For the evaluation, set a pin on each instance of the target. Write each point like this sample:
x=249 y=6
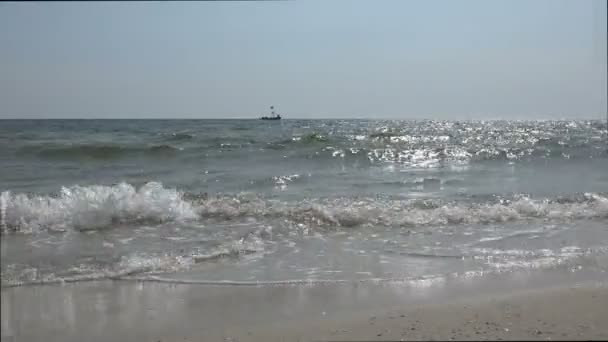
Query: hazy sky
x=366 y=59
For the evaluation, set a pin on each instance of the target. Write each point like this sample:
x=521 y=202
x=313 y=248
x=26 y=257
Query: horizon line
x=321 y=118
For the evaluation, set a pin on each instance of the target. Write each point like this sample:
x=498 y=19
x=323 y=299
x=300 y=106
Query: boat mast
x=272 y=111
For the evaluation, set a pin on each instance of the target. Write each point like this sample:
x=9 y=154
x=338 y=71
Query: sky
x=401 y=59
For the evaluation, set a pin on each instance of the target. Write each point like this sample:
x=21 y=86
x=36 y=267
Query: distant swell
x=426 y=144
x=300 y=141
x=92 y=151
x=179 y=137
x=96 y=207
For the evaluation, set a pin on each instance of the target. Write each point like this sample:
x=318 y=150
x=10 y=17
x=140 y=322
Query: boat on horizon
x=273 y=115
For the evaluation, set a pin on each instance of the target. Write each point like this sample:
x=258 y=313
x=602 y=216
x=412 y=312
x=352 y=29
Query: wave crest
x=96 y=207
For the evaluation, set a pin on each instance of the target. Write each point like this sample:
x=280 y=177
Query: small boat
x=272 y=116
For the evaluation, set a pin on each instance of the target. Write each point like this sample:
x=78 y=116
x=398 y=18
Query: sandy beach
x=555 y=314
x=538 y=306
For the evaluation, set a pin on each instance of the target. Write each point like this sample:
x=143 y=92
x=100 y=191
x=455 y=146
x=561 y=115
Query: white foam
x=348 y=213
x=147 y=264
x=94 y=207
x=4 y=200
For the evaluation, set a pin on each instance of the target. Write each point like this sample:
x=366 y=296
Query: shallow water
x=246 y=201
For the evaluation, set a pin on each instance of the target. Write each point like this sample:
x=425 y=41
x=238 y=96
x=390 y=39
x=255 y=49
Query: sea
x=252 y=202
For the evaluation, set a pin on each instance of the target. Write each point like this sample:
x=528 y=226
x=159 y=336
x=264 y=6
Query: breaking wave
x=94 y=207
x=100 y=206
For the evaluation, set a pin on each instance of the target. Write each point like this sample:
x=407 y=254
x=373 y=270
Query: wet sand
x=555 y=314
x=548 y=306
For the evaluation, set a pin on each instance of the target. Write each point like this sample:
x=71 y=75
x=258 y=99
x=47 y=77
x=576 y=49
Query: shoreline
x=538 y=305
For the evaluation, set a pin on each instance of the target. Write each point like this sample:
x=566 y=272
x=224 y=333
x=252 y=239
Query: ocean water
x=299 y=201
